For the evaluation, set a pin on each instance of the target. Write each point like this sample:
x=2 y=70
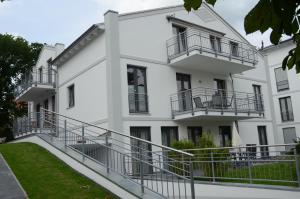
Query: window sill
x=68 y=108
x=141 y=113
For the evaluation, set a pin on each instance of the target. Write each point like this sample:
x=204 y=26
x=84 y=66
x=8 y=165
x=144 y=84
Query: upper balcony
x=37 y=83
x=210 y=52
x=207 y=103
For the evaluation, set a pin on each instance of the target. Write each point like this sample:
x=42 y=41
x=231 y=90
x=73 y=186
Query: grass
x=264 y=174
x=42 y=175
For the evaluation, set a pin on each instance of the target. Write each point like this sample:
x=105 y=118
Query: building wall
x=274 y=57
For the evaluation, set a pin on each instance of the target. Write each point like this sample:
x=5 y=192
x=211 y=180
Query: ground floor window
x=225 y=136
x=141 y=150
x=263 y=140
x=289 y=136
x=169 y=135
x=194 y=133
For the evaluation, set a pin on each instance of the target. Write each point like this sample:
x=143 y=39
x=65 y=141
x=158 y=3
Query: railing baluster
x=297 y=166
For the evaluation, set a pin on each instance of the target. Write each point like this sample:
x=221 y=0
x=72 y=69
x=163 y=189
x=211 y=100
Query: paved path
x=10 y=188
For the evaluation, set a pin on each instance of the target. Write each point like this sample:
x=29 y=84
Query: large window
x=71 y=96
x=234 y=49
x=263 y=140
x=289 y=136
x=258 y=103
x=194 y=133
x=141 y=150
x=282 y=82
x=215 y=43
x=180 y=38
x=225 y=136
x=137 y=89
x=169 y=135
x=286 y=109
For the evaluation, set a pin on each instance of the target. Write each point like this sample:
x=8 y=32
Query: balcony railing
x=35 y=77
x=201 y=41
x=207 y=99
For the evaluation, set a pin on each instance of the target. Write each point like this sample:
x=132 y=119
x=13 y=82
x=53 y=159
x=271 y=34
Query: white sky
x=51 y=21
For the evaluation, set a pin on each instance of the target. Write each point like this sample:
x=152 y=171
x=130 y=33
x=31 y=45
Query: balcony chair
x=198 y=103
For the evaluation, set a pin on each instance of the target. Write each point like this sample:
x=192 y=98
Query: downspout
x=235 y=121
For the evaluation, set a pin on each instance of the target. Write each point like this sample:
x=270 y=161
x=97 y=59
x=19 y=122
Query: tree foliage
x=281 y=16
x=16 y=57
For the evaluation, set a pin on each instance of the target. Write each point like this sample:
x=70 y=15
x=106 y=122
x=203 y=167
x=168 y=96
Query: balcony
x=37 y=83
x=195 y=49
x=217 y=104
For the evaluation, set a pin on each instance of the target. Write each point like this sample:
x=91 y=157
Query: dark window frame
x=191 y=134
x=289 y=113
x=169 y=141
x=136 y=94
x=71 y=103
x=258 y=102
x=234 y=49
x=285 y=81
x=216 y=43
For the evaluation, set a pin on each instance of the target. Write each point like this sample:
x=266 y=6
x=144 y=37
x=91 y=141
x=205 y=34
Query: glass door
x=184 y=91
x=194 y=133
x=141 y=150
x=180 y=39
x=257 y=98
x=263 y=140
x=225 y=136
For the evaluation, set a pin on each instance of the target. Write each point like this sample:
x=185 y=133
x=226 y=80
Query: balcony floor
x=33 y=93
x=216 y=115
x=208 y=62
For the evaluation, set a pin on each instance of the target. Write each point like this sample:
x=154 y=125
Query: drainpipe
x=236 y=121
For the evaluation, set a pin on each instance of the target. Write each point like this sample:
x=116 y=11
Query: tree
x=281 y=16
x=16 y=57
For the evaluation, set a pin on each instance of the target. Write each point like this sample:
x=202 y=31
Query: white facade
x=97 y=64
x=284 y=85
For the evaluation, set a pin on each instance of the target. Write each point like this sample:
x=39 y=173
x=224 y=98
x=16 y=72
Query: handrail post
x=65 y=131
x=212 y=166
x=248 y=104
x=192 y=178
x=191 y=98
x=222 y=102
x=107 y=154
x=297 y=166
x=82 y=144
x=249 y=167
x=141 y=166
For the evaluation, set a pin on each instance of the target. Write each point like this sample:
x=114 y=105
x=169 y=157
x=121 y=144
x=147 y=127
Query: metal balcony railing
x=201 y=41
x=35 y=77
x=207 y=99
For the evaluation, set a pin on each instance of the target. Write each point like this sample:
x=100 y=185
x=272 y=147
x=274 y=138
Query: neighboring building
x=285 y=92
x=38 y=86
x=166 y=74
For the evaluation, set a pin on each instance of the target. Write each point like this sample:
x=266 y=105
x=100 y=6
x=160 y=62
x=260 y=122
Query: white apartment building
x=38 y=85
x=285 y=93
x=165 y=74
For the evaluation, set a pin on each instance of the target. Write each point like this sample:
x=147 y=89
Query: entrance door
x=141 y=150
x=263 y=140
x=38 y=115
x=194 y=133
x=225 y=136
x=184 y=92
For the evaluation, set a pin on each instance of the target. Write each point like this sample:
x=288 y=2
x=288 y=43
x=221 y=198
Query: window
x=137 y=89
x=71 y=96
x=258 y=103
x=289 y=136
x=215 y=43
x=141 y=150
x=282 y=82
x=286 y=109
x=263 y=140
x=225 y=136
x=184 y=93
x=180 y=39
x=194 y=133
x=234 y=49
x=40 y=80
x=53 y=103
x=169 y=135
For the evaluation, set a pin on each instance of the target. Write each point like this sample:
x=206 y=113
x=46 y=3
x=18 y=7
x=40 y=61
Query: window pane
x=281 y=79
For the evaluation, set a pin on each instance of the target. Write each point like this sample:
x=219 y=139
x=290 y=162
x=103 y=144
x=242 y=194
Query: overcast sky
x=52 y=21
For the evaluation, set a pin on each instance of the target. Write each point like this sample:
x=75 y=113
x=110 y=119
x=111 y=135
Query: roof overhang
x=89 y=35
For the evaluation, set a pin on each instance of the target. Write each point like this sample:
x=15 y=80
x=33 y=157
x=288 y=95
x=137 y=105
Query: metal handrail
x=121 y=134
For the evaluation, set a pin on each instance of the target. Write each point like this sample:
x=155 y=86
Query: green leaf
x=275 y=36
x=211 y=2
x=284 y=62
x=192 y=4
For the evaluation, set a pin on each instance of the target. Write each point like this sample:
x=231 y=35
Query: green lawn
x=42 y=175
